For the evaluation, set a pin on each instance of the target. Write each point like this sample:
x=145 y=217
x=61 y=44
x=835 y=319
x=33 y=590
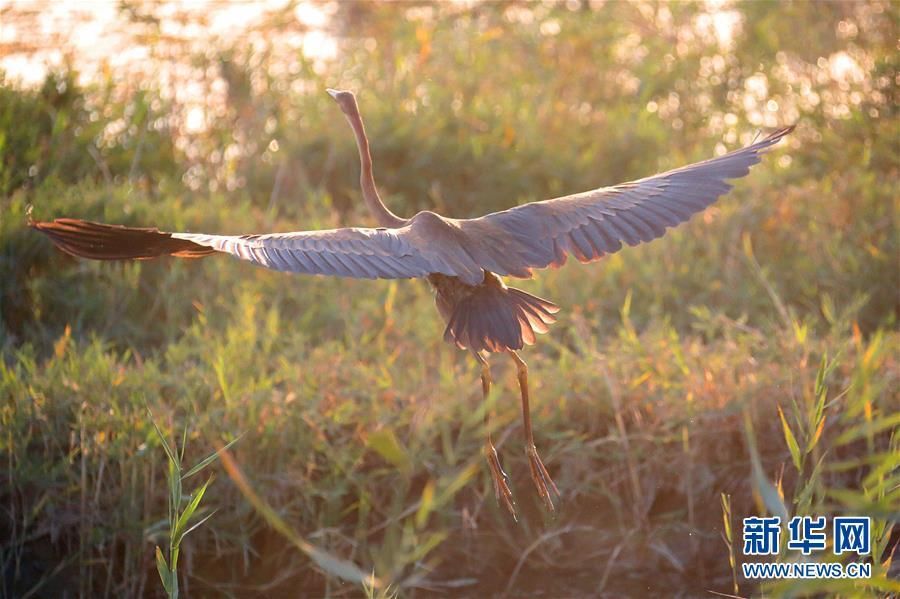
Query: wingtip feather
x=99 y=241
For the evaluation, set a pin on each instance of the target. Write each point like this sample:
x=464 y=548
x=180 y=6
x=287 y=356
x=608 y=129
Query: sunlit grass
x=363 y=430
x=745 y=363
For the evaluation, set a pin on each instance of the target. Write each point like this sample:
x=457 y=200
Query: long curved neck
x=382 y=214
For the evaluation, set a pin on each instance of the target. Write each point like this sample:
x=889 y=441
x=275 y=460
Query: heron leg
x=499 y=477
x=539 y=474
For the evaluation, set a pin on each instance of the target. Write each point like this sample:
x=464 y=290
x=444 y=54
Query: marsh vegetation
x=749 y=360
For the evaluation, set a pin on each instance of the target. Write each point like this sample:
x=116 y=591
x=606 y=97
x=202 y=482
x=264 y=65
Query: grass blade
x=162 y=438
x=165 y=575
x=189 y=511
x=791 y=441
x=770 y=496
x=328 y=563
x=209 y=459
x=386 y=444
x=199 y=523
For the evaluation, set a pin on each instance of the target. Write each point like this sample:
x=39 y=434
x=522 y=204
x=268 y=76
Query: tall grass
x=363 y=433
x=181 y=508
x=746 y=363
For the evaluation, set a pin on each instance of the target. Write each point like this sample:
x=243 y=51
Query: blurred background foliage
x=359 y=423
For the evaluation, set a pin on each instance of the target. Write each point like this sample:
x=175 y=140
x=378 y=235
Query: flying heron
x=462 y=259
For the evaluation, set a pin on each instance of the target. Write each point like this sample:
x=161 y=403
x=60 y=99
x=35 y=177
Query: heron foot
x=541 y=477
x=501 y=480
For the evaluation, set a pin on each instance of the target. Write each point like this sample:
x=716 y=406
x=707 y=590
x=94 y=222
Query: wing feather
x=350 y=252
x=512 y=242
x=591 y=224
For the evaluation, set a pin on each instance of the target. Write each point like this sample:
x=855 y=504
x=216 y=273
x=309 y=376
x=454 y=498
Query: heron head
x=346 y=100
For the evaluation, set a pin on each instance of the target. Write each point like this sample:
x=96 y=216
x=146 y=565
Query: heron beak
x=333 y=92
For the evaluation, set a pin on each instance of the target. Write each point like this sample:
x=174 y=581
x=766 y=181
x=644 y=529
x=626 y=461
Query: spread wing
x=356 y=252
x=350 y=252
x=512 y=242
x=594 y=223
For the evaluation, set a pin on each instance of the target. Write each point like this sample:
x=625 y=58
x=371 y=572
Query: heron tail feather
x=498 y=319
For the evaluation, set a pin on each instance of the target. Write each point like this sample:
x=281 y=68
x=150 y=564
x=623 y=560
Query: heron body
x=462 y=259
